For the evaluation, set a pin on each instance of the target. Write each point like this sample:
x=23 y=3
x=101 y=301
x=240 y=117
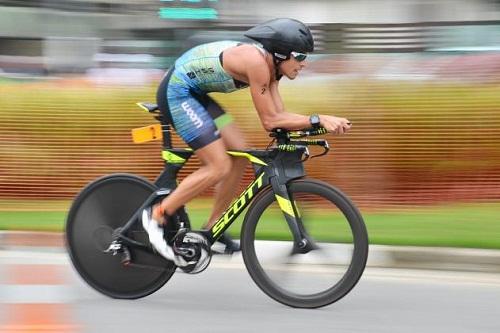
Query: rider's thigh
x=233 y=137
x=230 y=133
x=214 y=157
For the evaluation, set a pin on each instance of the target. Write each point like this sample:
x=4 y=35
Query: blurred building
x=51 y=36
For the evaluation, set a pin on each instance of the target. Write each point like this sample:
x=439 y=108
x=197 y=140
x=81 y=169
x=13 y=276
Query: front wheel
x=321 y=276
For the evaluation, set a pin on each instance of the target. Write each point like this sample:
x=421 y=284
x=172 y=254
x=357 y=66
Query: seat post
x=167 y=138
x=165 y=130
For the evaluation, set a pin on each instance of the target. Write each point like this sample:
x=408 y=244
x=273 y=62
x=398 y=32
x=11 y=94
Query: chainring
x=193 y=247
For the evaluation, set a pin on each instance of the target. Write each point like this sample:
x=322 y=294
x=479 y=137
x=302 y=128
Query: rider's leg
x=216 y=165
x=193 y=117
x=227 y=188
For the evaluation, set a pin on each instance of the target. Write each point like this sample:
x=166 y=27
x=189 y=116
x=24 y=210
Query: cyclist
x=227 y=66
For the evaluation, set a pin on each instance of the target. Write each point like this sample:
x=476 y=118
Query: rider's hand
x=335 y=125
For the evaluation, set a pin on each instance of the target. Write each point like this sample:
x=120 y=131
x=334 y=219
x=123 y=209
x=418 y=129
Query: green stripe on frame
x=252 y=158
x=285 y=205
x=188 y=13
x=172 y=158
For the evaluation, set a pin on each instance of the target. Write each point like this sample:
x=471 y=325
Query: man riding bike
x=227 y=66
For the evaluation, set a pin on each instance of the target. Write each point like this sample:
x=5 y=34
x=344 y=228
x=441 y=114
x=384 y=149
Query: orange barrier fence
x=416 y=139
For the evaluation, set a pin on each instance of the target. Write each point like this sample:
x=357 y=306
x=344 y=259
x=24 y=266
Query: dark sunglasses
x=299 y=56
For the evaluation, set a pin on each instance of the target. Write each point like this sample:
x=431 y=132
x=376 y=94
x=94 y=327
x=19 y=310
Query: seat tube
x=174 y=162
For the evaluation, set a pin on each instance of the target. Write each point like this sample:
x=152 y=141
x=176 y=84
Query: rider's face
x=291 y=67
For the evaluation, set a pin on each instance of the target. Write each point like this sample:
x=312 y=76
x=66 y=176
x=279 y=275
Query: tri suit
x=182 y=95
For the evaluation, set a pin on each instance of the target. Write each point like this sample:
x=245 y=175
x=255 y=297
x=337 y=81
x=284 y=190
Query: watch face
x=314 y=119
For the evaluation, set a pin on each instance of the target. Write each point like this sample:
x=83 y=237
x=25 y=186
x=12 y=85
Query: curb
x=434 y=258
x=380 y=256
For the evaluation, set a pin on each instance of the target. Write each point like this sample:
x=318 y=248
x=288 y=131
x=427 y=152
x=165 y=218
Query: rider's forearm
x=271 y=113
x=286 y=120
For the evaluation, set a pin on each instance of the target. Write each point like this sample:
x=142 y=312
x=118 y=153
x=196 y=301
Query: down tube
x=238 y=205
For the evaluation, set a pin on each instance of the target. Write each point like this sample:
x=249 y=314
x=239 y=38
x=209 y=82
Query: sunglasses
x=299 y=56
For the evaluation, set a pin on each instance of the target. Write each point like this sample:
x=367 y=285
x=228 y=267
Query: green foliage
x=409 y=140
x=467 y=225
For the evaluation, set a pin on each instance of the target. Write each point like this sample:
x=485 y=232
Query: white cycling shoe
x=155 y=233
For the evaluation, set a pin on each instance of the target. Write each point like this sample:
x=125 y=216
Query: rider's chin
x=292 y=75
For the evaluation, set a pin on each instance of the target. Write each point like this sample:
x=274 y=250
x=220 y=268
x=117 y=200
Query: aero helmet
x=282 y=36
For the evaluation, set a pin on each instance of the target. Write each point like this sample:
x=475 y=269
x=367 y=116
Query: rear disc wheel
x=101 y=207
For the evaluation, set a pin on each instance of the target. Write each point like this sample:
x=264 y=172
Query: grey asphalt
x=225 y=299
x=407 y=257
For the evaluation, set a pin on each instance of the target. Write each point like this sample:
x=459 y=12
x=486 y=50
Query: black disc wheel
x=335 y=231
x=101 y=207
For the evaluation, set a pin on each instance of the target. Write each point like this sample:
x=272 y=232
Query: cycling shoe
x=231 y=246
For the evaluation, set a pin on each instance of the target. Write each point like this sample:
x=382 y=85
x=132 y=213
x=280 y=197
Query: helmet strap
x=276 y=69
x=277 y=59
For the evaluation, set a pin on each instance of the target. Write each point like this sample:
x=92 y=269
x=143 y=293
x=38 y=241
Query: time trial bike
x=303 y=241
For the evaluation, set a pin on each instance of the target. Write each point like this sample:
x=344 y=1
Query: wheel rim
x=319 y=277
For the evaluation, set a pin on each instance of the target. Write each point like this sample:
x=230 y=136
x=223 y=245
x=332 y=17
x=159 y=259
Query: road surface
x=40 y=291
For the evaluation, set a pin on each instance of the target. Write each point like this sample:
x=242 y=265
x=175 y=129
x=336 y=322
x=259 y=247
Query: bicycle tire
x=102 y=206
x=359 y=254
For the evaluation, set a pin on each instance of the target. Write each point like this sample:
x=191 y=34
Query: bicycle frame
x=275 y=168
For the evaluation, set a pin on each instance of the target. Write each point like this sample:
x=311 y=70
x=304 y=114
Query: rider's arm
x=271 y=111
x=260 y=88
x=278 y=102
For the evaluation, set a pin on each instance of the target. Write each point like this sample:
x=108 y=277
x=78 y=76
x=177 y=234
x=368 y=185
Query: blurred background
x=419 y=79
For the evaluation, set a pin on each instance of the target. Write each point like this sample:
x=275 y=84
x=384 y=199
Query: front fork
x=303 y=243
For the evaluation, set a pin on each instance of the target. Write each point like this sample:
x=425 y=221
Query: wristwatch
x=314 y=120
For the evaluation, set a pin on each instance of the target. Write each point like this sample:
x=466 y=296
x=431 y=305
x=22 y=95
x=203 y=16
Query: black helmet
x=282 y=36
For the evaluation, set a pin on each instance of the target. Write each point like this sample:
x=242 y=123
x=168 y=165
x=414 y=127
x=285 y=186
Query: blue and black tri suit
x=182 y=95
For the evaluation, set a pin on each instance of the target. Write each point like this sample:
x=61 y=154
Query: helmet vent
x=303 y=32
